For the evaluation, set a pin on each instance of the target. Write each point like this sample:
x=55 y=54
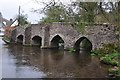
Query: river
x=32 y=62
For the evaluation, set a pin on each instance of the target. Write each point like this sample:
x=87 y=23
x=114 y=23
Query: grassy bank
x=6 y=40
x=110 y=55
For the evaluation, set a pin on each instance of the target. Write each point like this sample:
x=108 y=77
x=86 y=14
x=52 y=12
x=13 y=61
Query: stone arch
x=57 y=42
x=36 y=40
x=83 y=43
x=20 y=39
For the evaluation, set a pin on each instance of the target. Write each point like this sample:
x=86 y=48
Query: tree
x=111 y=11
x=54 y=12
x=86 y=12
x=80 y=14
x=22 y=19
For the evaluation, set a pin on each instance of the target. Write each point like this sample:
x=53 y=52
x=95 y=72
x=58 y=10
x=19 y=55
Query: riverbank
x=110 y=55
x=6 y=40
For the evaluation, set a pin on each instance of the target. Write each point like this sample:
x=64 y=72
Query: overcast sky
x=9 y=8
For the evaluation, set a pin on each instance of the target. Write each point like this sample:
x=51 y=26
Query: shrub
x=111 y=59
x=71 y=50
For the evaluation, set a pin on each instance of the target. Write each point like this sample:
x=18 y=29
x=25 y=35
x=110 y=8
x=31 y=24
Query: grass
x=111 y=59
x=6 y=39
x=109 y=55
x=71 y=50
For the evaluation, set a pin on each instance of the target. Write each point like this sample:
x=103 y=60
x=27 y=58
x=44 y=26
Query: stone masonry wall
x=102 y=34
x=17 y=32
x=27 y=33
x=98 y=34
x=66 y=32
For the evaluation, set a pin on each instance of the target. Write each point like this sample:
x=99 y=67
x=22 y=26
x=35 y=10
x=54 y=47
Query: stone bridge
x=57 y=34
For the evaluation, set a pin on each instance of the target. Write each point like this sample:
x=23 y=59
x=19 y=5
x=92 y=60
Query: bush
x=98 y=52
x=111 y=48
x=115 y=70
x=71 y=50
x=111 y=59
x=110 y=54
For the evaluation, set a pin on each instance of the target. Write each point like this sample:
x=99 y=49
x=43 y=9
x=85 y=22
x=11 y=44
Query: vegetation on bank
x=110 y=55
x=6 y=39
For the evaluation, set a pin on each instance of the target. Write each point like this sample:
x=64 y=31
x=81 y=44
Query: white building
x=3 y=22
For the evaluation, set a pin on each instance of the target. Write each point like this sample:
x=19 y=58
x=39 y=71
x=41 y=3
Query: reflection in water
x=0 y=60
x=19 y=61
x=16 y=65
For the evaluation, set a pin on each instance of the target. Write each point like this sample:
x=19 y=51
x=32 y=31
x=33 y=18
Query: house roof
x=4 y=21
x=14 y=23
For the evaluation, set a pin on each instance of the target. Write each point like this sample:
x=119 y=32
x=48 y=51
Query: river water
x=32 y=62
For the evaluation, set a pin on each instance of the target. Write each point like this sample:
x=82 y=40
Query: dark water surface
x=28 y=62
